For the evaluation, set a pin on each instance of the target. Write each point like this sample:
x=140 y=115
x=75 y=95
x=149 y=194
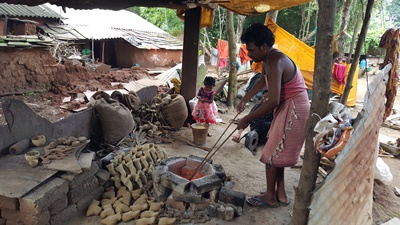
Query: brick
x=175 y=182
x=102 y=176
x=81 y=191
x=62 y=217
x=8 y=203
x=15 y=216
x=233 y=197
x=199 y=159
x=187 y=172
x=58 y=205
x=84 y=203
x=158 y=172
x=200 y=206
x=85 y=160
x=176 y=204
x=161 y=193
x=212 y=211
x=43 y=196
x=174 y=164
x=190 y=197
x=206 y=184
x=76 y=180
x=194 y=162
x=219 y=171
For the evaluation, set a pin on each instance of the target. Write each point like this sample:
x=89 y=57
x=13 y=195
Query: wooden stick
x=188 y=142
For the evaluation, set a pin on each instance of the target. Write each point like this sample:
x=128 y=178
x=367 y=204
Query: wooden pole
x=357 y=53
x=190 y=56
x=232 y=85
x=103 y=44
x=320 y=100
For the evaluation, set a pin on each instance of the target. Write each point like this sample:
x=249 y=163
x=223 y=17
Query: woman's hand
x=241 y=106
x=242 y=124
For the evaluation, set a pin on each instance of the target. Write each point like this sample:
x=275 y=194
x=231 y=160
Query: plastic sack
x=382 y=171
x=192 y=103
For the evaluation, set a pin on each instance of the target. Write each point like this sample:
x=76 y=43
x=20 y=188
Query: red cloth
x=288 y=132
x=339 y=71
x=244 y=58
x=223 y=48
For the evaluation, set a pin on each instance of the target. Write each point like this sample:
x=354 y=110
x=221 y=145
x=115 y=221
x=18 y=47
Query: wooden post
x=190 y=52
x=5 y=30
x=319 y=106
x=232 y=85
x=102 y=51
x=357 y=53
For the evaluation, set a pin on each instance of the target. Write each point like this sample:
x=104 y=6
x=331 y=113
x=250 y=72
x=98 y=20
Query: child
x=205 y=111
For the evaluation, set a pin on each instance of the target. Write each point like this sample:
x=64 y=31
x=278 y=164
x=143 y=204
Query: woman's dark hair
x=209 y=81
x=258 y=34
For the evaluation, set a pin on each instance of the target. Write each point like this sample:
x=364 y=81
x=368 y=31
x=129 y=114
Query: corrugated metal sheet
x=148 y=40
x=62 y=32
x=27 y=11
x=97 y=32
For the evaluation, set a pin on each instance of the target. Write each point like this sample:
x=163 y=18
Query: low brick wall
x=55 y=201
x=25 y=70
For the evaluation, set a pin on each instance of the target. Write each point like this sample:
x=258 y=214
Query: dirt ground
x=246 y=172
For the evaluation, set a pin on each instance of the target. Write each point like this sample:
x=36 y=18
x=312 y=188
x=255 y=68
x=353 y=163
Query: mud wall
x=128 y=55
x=28 y=70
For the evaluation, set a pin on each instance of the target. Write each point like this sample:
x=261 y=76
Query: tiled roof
x=12 y=10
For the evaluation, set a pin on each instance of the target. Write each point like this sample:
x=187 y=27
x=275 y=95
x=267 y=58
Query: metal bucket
x=200 y=132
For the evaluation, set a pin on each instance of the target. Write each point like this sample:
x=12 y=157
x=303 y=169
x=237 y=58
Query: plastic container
x=363 y=64
x=200 y=132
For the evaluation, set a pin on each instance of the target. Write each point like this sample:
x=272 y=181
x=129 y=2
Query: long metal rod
x=207 y=157
x=220 y=137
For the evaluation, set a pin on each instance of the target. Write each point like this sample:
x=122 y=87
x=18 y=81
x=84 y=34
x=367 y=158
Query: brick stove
x=198 y=199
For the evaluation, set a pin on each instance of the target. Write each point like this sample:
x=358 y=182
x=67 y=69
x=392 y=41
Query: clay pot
x=32 y=155
x=39 y=140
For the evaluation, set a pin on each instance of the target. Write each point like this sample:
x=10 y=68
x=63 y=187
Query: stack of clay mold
x=130 y=172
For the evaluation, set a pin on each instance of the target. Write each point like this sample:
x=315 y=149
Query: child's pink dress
x=205 y=112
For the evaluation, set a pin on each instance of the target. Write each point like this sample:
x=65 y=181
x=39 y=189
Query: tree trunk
x=239 y=27
x=353 y=39
x=344 y=22
x=319 y=106
x=220 y=22
x=273 y=15
x=232 y=86
x=357 y=53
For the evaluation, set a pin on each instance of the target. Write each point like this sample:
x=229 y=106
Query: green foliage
x=394 y=12
x=164 y=18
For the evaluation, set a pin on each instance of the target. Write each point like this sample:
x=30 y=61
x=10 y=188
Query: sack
x=132 y=101
x=176 y=112
x=116 y=119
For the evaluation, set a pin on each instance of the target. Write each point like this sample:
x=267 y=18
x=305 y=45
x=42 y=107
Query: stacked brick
x=28 y=70
x=196 y=200
x=55 y=201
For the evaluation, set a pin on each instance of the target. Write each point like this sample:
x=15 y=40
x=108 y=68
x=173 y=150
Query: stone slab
x=81 y=191
x=19 y=117
x=6 y=139
x=20 y=177
x=228 y=195
x=9 y=203
x=68 y=126
x=85 y=160
x=76 y=180
x=43 y=196
x=62 y=217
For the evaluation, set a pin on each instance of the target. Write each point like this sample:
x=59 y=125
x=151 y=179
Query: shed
x=119 y=42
